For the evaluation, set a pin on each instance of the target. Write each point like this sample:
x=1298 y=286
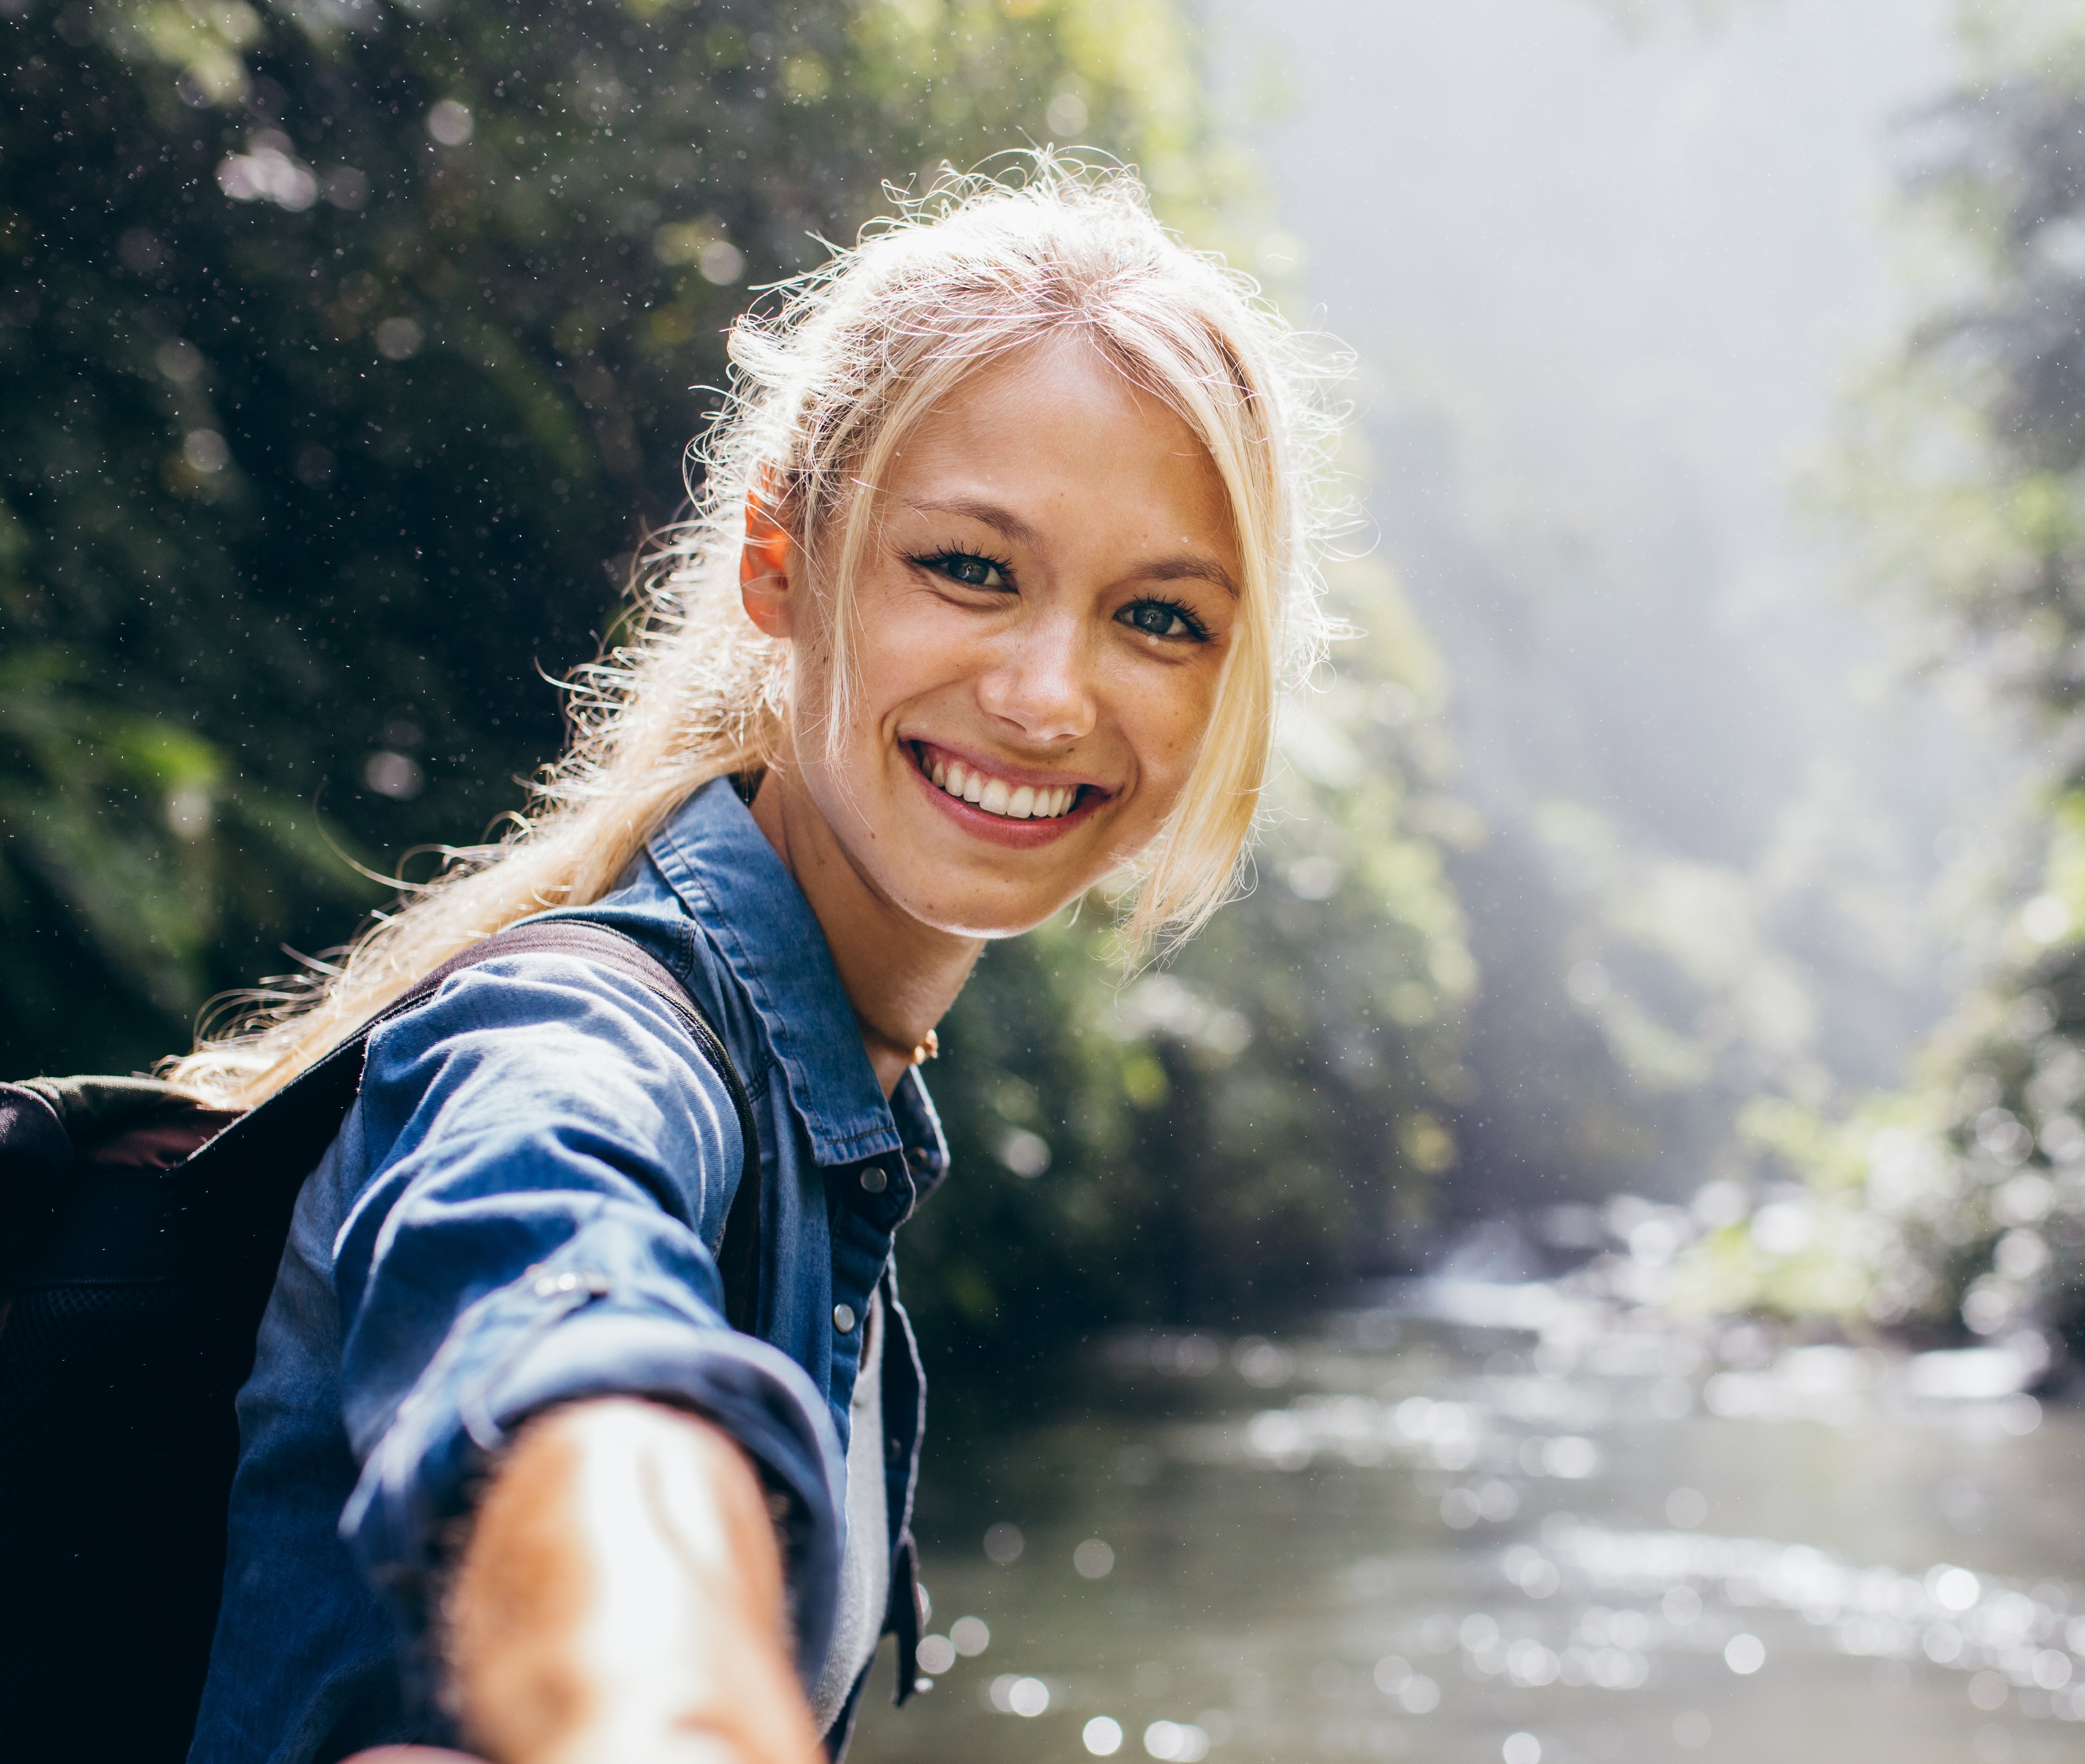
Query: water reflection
x=1411 y=1535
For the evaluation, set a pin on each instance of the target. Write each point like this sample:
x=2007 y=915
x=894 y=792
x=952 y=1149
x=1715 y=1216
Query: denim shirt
x=524 y=1208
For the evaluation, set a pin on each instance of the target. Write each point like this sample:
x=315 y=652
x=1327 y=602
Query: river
x=1390 y=1536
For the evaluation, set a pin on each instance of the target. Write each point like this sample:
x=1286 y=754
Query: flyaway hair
x=828 y=379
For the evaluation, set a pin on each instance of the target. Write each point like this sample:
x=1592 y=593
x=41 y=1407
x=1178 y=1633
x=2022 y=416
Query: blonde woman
x=1002 y=555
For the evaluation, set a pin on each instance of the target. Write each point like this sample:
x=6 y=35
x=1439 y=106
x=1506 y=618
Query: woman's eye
x=1158 y=618
x=970 y=570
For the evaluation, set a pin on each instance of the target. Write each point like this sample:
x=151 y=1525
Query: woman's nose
x=1043 y=686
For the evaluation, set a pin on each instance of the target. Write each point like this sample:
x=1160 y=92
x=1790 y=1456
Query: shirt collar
x=926 y=1150
x=715 y=857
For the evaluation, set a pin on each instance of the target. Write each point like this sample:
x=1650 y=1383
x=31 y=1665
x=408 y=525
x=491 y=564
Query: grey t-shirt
x=864 y=1589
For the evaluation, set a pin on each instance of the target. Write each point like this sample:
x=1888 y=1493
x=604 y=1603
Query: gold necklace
x=929 y=1049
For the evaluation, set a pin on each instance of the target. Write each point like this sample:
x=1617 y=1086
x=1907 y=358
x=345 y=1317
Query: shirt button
x=843 y=1319
x=873 y=1179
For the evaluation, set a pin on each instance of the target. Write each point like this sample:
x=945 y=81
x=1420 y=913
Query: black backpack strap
x=292 y=1129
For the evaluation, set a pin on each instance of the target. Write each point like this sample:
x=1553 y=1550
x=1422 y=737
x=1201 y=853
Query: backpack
x=140 y=1233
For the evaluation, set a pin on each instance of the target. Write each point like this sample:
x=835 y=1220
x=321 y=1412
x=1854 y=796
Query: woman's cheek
x=1170 y=723
x=921 y=643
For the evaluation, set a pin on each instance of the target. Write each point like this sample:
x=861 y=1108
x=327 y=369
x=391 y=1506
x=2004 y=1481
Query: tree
x=1964 y=466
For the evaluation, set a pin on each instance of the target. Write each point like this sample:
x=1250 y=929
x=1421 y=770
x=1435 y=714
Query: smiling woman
x=1043 y=620
x=1002 y=554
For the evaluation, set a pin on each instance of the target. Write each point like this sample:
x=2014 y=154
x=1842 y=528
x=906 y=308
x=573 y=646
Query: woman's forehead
x=1063 y=366
x=1055 y=416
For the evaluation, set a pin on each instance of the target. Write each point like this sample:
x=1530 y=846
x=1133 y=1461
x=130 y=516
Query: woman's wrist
x=621 y=1597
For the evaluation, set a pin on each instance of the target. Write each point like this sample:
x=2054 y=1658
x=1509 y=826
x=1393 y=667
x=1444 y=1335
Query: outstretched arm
x=532 y=1327
x=620 y=1601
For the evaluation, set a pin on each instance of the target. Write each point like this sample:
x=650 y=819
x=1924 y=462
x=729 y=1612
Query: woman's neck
x=901 y=976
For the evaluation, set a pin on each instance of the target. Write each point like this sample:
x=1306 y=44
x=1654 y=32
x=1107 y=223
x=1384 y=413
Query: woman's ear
x=765 y=583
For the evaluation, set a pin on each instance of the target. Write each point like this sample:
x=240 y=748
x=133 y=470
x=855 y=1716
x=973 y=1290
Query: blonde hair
x=826 y=384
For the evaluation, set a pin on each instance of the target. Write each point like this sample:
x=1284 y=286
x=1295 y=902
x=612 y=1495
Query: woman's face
x=1044 y=614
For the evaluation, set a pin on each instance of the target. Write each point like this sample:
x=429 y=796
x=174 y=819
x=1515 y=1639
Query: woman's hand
x=620 y=1601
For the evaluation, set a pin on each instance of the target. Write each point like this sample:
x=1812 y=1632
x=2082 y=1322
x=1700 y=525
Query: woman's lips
x=1027 y=809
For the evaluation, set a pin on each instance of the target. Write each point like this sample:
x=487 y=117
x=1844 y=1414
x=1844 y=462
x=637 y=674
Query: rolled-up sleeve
x=550 y=1156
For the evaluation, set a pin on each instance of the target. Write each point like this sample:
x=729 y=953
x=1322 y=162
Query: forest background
x=349 y=350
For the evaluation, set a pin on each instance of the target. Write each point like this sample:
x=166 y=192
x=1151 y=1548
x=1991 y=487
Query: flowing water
x=1402 y=1539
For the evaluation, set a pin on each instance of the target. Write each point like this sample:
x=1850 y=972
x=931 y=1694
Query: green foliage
x=1964 y=464
x=1826 y=1255
x=347 y=352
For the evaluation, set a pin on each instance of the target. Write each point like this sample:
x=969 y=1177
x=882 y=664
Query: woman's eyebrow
x=1017 y=531
x=1189 y=568
x=1009 y=525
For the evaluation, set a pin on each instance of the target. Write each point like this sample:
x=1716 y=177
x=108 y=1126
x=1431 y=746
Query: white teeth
x=996 y=797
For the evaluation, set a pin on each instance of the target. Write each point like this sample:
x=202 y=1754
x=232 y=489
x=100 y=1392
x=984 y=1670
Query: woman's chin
x=987 y=927
x=986 y=913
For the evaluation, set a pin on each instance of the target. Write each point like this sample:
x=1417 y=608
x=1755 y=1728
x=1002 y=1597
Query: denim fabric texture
x=524 y=1207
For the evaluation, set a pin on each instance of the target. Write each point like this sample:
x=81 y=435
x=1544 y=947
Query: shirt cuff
x=562 y=1334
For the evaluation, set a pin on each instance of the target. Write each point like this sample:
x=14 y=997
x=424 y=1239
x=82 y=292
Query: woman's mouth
x=1008 y=801
x=995 y=795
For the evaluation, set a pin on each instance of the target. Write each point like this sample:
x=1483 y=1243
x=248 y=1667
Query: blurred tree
x=1964 y=463
x=350 y=348
x=1663 y=932
x=1693 y=865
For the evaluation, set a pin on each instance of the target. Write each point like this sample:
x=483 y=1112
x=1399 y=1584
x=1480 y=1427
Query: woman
x=1002 y=555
